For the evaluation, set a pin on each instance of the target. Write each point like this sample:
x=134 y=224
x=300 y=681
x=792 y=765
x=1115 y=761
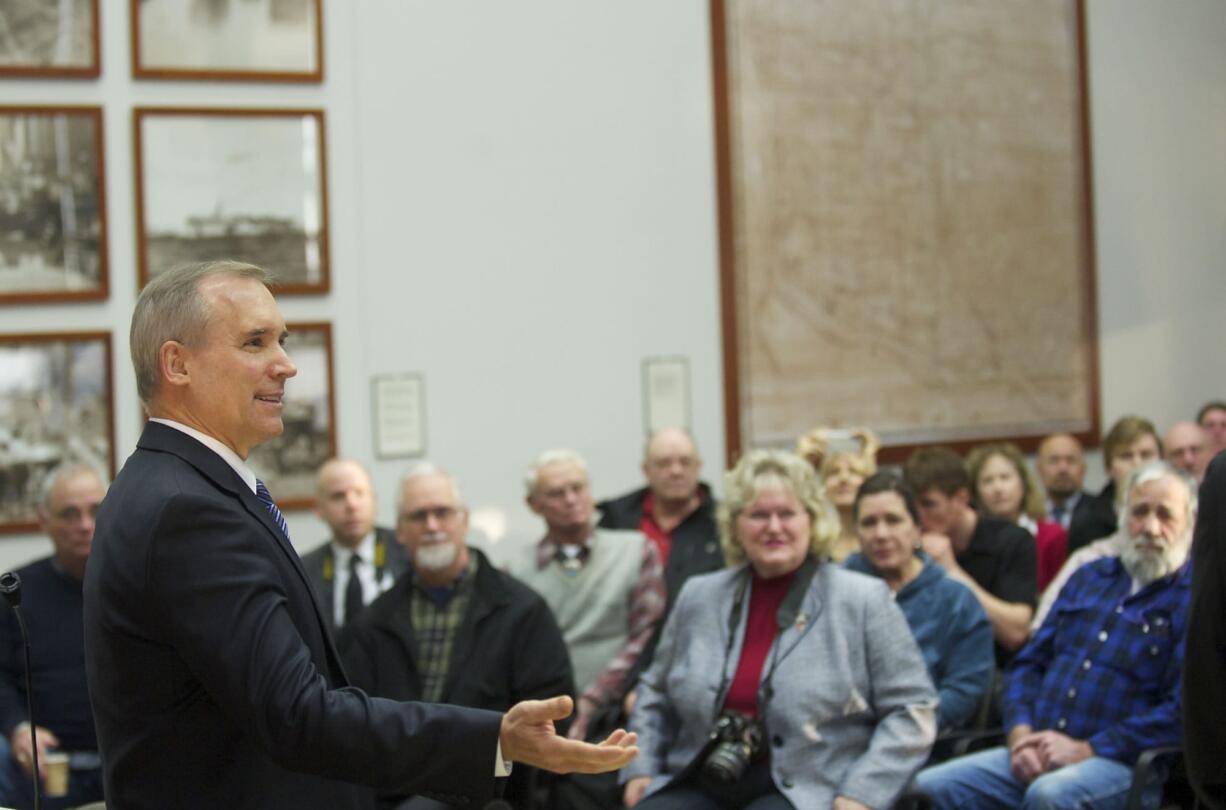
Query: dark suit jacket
x=395 y=563
x=1204 y=665
x=1093 y=518
x=508 y=648
x=213 y=678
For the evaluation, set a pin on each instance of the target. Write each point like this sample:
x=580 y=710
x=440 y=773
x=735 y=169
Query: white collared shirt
x=371 y=587
x=227 y=455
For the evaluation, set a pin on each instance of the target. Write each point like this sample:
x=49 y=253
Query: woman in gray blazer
x=782 y=681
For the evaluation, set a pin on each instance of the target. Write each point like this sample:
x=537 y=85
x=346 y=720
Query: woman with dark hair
x=1004 y=488
x=783 y=681
x=949 y=625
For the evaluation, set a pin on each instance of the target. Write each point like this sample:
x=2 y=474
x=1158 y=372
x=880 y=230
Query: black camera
x=734 y=742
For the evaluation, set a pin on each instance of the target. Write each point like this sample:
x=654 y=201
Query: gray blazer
x=316 y=561
x=853 y=711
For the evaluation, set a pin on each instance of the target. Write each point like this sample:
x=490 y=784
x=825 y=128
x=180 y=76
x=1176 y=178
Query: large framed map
x=906 y=234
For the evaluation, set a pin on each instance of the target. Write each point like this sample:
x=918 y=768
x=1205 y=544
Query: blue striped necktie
x=261 y=492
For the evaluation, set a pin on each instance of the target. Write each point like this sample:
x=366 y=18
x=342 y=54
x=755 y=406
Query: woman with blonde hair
x=782 y=681
x=841 y=472
x=1004 y=487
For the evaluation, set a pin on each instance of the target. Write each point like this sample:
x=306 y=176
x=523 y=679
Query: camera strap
x=789 y=614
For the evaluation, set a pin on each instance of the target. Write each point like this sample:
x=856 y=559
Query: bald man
x=1186 y=448
x=675 y=510
x=360 y=560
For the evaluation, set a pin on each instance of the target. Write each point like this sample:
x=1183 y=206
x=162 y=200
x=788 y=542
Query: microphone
x=10 y=589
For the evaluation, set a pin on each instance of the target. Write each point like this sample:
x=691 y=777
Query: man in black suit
x=213 y=676
x=361 y=560
x=1061 y=465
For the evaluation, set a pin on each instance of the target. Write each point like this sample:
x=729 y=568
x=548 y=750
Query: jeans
x=983 y=780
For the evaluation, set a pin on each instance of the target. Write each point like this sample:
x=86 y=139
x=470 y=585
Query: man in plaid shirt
x=1099 y=682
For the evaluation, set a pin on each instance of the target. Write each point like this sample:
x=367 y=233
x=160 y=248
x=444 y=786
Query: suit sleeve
x=218 y=596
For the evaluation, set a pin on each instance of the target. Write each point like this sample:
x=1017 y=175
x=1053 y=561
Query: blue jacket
x=953 y=634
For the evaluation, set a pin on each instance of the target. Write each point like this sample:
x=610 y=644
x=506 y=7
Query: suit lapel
x=213 y=467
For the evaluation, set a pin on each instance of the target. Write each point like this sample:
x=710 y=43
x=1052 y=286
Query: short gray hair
x=64 y=472
x=1155 y=470
x=554 y=456
x=422 y=469
x=171 y=308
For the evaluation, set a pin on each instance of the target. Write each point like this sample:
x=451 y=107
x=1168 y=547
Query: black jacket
x=695 y=547
x=1204 y=687
x=508 y=649
x=1093 y=518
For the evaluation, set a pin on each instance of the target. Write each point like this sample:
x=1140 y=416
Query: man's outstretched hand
x=528 y=736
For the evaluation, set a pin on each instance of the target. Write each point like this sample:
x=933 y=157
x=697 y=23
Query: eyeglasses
x=441 y=514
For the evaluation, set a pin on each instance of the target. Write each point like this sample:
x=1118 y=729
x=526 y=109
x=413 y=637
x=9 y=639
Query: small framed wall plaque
x=399 y=415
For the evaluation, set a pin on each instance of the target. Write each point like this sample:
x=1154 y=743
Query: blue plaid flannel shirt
x=1105 y=665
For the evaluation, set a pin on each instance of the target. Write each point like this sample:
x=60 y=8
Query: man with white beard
x=453 y=629
x=1099 y=682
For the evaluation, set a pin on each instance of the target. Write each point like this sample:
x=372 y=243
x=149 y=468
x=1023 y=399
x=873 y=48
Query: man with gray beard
x=1099 y=682
x=453 y=629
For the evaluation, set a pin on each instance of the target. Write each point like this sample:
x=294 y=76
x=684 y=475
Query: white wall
x=522 y=208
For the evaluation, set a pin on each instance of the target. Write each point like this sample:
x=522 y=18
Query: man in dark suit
x=213 y=676
x=361 y=560
x=1061 y=465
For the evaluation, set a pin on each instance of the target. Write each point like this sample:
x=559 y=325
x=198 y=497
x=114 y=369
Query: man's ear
x=531 y=504
x=172 y=363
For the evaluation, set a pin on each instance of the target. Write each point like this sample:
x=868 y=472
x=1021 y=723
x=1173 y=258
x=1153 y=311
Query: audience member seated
x=51 y=606
x=675 y=510
x=1212 y=418
x=361 y=560
x=1111 y=546
x=1062 y=469
x=605 y=586
x=842 y=472
x=817 y=661
x=1004 y=488
x=1099 y=682
x=947 y=621
x=1185 y=448
x=1130 y=442
x=453 y=629
x=996 y=559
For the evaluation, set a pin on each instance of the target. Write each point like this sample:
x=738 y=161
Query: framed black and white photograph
x=52 y=204
x=242 y=184
x=243 y=40
x=288 y=463
x=49 y=38
x=55 y=408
